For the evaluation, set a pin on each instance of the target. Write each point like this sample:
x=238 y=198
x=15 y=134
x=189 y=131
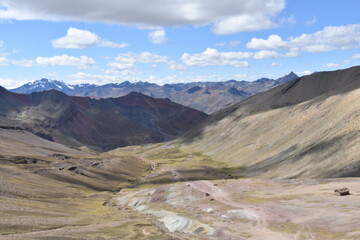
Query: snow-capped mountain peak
x=45 y=84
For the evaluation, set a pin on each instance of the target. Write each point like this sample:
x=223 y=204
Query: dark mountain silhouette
x=99 y=124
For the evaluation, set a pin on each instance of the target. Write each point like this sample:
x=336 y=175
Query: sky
x=170 y=41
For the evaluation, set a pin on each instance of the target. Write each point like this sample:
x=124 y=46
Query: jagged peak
x=46 y=80
x=292 y=74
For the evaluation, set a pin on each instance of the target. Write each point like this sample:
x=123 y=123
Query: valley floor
x=48 y=191
x=251 y=208
x=218 y=209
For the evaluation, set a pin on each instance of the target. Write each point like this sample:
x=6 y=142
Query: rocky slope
x=99 y=124
x=50 y=191
x=204 y=96
x=306 y=128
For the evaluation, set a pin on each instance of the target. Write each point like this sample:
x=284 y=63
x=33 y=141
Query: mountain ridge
x=101 y=124
x=207 y=97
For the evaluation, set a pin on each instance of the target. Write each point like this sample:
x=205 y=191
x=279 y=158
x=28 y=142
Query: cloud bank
x=329 y=39
x=226 y=16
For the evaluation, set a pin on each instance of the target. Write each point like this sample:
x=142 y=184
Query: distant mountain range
x=207 y=97
x=101 y=124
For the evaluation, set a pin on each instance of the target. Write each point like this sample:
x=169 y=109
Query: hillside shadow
x=316 y=87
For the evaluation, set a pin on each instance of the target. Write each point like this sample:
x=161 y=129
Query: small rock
x=342 y=192
x=199 y=230
x=95 y=164
x=72 y=168
x=207 y=194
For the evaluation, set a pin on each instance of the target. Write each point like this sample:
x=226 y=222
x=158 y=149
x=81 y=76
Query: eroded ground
x=251 y=208
x=49 y=191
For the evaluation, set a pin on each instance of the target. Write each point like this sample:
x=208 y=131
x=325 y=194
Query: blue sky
x=168 y=41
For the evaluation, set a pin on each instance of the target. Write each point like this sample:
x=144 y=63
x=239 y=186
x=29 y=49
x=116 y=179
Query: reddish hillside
x=101 y=124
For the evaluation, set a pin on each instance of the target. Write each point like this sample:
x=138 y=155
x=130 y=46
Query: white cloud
x=78 y=39
x=260 y=18
x=127 y=72
x=293 y=53
x=183 y=79
x=162 y=80
x=234 y=43
x=110 y=76
x=81 y=77
x=172 y=65
x=108 y=44
x=250 y=78
x=275 y=64
x=52 y=74
x=147 y=57
x=128 y=60
x=223 y=44
x=351 y=59
x=227 y=16
x=4 y=61
x=291 y=20
x=158 y=37
x=10 y=83
x=230 y=44
x=23 y=62
x=9 y=53
x=331 y=65
x=311 y=21
x=65 y=60
x=241 y=76
x=303 y=73
x=121 y=66
x=265 y=54
x=273 y=42
x=212 y=57
x=329 y=39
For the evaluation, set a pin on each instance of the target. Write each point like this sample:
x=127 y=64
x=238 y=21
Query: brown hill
x=308 y=127
x=99 y=124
